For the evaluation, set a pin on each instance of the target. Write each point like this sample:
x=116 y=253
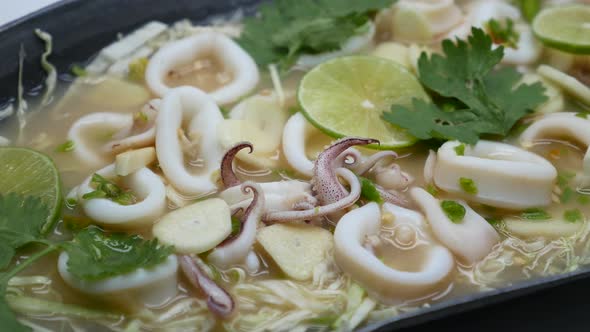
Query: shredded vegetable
x=21 y=102
x=51 y=79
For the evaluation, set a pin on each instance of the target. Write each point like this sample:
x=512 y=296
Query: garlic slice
x=233 y=131
x=195 y=228
x=259 y=120
x=265 y=112
x=183 y=52
x=471 y=239
x=152 y=286
x=383 y=281
x=296 y=249
x=133 y=160
x=505 y=176
x=147 y=187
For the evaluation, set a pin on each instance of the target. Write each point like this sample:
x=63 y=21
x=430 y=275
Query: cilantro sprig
x=109 y=190
x=284 y=29
x=485 y=101
x=21 y=222
x=94 y=254
x=503 y=32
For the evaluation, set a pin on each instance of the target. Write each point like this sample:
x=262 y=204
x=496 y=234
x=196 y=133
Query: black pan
x=82 y=27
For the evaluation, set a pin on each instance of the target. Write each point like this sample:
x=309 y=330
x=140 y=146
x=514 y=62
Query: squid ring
x=99 y=122
x=196 y=107
x=566 y=125
x=184 y=51
x=558 y=125
x=471 y=239
x=152 y=286
x=144 y=183
x=372 y=273
x=505 y=176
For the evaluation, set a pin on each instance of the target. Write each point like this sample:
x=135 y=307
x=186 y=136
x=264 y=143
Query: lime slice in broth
x=564 y=28
x=347 y=96
x=30 y=173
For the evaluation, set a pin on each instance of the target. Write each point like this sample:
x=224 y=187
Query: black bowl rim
x=36 y=13
x=438 y=310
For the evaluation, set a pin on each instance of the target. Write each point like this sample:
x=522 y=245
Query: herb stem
x=33 y=258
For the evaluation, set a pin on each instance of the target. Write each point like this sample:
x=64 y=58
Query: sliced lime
x=347 y=96
x=565 y=28
x=31 y=173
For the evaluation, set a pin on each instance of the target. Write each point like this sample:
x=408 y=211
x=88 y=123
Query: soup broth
x=267 y=294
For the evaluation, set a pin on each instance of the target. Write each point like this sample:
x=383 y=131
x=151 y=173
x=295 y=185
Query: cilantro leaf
x=486 y=101
x=284 y=29
x=95 y=255
x=21 y=222
x=8 y=319
x=6 y=254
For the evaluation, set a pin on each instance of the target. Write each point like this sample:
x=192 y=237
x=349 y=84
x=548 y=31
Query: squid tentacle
x=218 y=299
x=392 y=197
x=235 y=249
x=320 y=211
x=366 y=165
x=228 y=177
x=344 y=158
x=325 y=181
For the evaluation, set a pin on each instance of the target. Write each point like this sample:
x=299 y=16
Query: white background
x=12 y=9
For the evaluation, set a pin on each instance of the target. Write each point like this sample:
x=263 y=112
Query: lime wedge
x=347 y=96
x=31 y=173
x=564 y=28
